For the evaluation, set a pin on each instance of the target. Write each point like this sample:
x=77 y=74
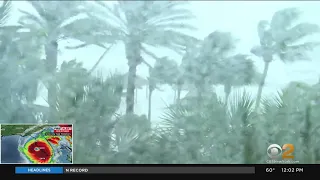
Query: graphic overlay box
x=36 y=143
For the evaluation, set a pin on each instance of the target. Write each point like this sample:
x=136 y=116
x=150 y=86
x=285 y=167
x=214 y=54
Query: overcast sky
x=238 y=17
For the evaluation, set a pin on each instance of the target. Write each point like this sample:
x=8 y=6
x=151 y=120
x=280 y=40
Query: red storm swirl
x=40 y=152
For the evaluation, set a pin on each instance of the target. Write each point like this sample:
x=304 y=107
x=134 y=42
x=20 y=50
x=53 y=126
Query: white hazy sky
x=237 y=17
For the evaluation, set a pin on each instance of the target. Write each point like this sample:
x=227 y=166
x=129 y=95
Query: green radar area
x=8 y=130
x=37 y=143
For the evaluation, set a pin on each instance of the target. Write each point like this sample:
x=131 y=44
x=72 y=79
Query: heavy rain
x=165 y=82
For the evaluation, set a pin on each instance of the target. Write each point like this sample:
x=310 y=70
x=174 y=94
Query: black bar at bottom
x=159 y=170
x=117 y=169
x=287 y=169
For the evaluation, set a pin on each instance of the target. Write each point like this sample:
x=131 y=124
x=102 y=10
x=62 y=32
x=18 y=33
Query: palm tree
x=142 y=23
x=83 y=97
x=179 y=83
x=19 y=72
x=178 y=87
x=203 y=63
x=237 y=70
x=201 y=130
x=49 y=26
x=163 y=72
x=278 y=38
x=227 y=69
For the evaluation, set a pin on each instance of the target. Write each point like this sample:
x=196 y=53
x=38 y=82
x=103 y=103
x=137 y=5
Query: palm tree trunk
x=131 y=89
x=309 y=158
x=51 y=50
x=150 y=103
x=199 y=90
x=178 y=94
x=264 y=76
x=249 y=156
x=227 y=91
x=133 y=50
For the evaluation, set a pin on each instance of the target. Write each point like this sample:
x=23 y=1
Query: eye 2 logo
x=274 y=151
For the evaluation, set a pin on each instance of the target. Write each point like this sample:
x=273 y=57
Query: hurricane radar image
x=36 y=144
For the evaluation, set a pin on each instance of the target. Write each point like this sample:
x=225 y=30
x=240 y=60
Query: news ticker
x=163 y=169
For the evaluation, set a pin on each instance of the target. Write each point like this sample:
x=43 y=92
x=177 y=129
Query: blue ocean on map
x=9 y=150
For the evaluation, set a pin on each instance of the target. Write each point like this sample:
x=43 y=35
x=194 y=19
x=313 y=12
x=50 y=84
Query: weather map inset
x=36 y=144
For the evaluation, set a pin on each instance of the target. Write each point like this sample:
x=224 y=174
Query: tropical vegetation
x=200 y=127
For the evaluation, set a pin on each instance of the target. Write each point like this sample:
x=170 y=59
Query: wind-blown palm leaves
x=280 y=37
x=5 y=10
x=201 y=141
x=71 y=82
x=86 y=101
x=132 y=137
x=48 y=27
x=214 y=62
x=294 y=120
x=101 y=102
x=17 y=72
x=138 y=25
x=165 y=71
x=237 y=70
x=19 y=84
x=190 y=132
x=202 y=61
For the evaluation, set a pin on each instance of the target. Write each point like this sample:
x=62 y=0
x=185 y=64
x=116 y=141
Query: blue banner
x=39 y=170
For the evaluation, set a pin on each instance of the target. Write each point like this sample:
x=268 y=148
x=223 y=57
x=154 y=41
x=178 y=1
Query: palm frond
x=241 y=107
x=236 y=70
x=115 y=13
x=163 y=11
x=29 y=19
x=171 y=39
x=95 y=32
x=298 y=32
x=297 y=52
x=283 y=20
x=219 y=44
x=46 y=23
x=152 y=24
x=272 y=102
x=5 y=10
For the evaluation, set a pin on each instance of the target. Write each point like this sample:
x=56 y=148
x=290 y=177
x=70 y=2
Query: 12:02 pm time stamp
x=292 y=170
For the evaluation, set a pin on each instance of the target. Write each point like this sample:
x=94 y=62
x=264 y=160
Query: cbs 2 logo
x=273 y=151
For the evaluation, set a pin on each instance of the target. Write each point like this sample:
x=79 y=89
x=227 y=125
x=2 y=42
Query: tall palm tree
x=279 y=37
x=138 y=24
x=237 y=70
x=52 y=23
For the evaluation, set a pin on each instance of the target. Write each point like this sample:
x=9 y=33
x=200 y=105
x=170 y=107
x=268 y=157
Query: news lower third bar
x=135 y=170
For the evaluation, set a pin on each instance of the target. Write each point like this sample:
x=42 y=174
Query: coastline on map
x=13 y=144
